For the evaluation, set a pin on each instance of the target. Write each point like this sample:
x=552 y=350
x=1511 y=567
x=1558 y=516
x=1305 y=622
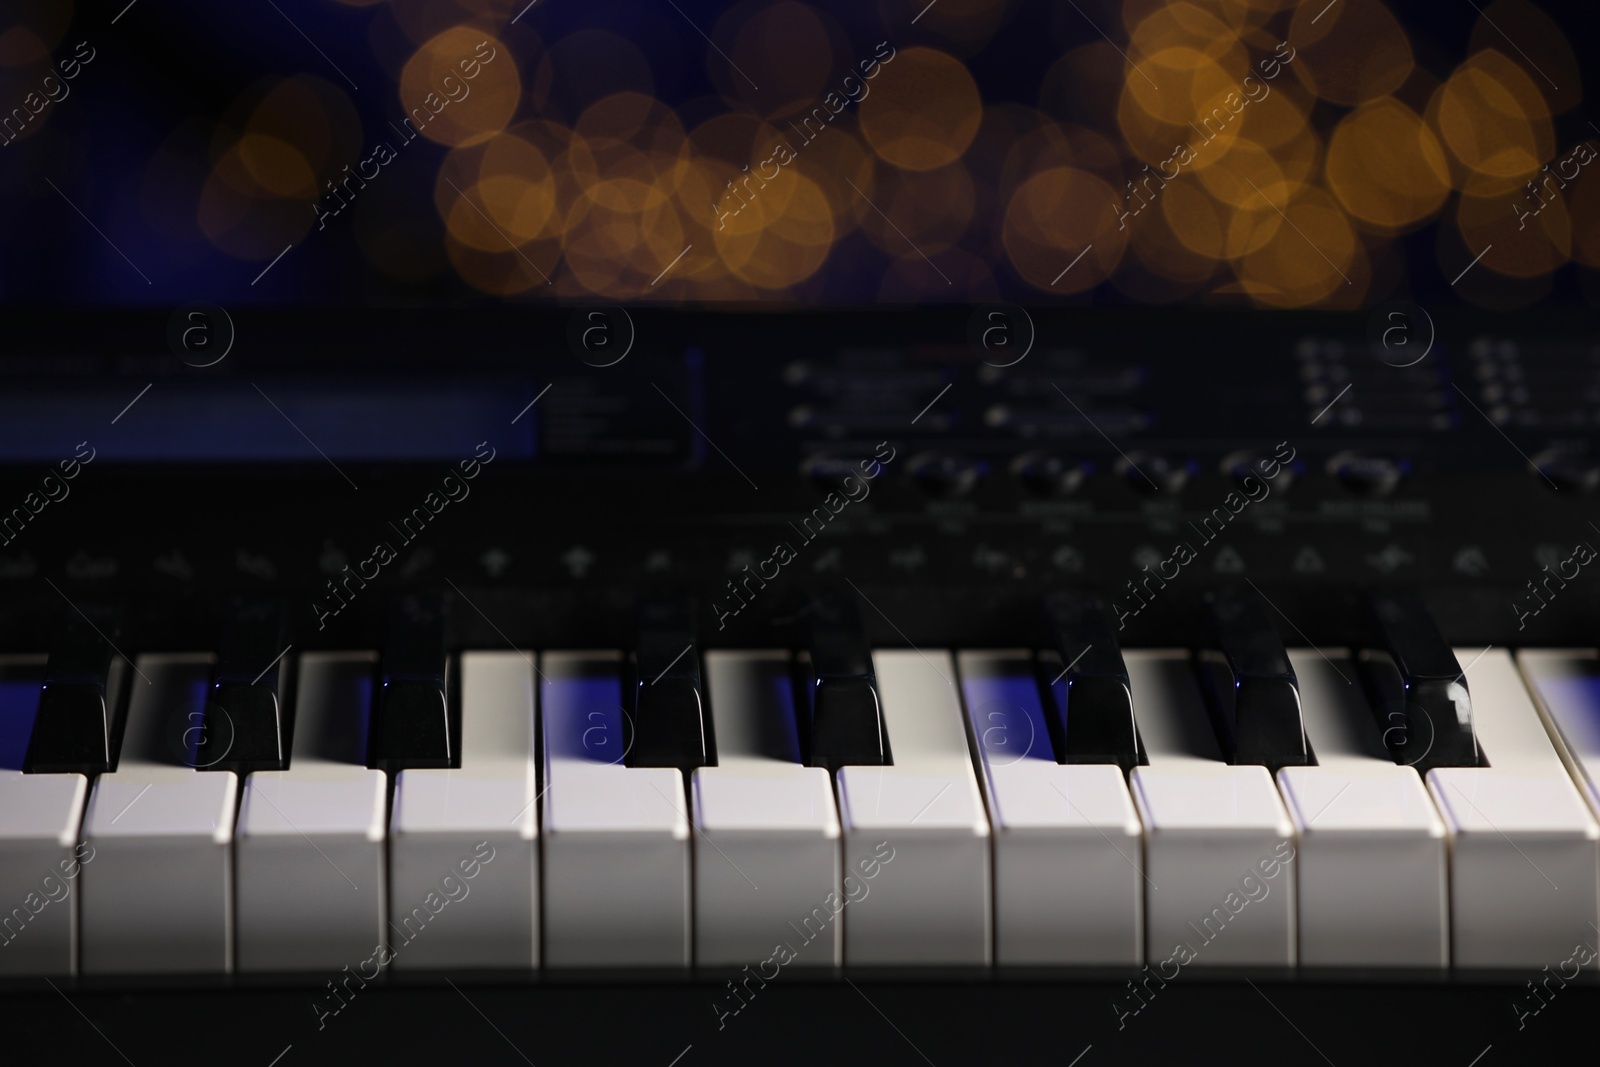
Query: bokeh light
x=1274 y=152
x=454 y=91
x=1556 y=74
x=1386 y=167
x=923 y=111
x=1060 y=209
x=1315 y=257
x=1491 y=117
x=284 y=146
x=1351 y=52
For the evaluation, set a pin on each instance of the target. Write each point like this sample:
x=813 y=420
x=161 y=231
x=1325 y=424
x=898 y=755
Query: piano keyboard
x=1407 y=805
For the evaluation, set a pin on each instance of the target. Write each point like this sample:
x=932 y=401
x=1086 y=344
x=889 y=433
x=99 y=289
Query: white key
x=1524 y=849
x=481 y=819
x=311 y=864
x=1372 y=862
x=1219 y=845
x=158 y=896
x=39 y=819
x=767 y=848
x=616 y=846
x=915 y=834
x=1068 y=882
x=1566 y=688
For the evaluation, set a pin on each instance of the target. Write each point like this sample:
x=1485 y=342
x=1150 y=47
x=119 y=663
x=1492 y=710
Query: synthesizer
x=794 y=684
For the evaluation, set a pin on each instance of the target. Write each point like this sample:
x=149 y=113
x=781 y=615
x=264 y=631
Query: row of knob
x=1049 y=474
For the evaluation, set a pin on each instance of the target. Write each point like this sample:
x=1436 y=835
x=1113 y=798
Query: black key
x=1251 y=691
x=1088 y=702
x=847 y=727
x=411 y=717
x=671 y=723
x=74 y=730
x=1416 y=688
x=243 y=725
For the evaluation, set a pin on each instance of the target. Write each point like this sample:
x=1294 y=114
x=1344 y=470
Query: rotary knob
x=945 y=475
x=1049 y=474
x=1367 y=475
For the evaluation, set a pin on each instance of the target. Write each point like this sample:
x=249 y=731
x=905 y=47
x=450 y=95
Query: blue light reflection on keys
x=19 y=706
x=1007 y=718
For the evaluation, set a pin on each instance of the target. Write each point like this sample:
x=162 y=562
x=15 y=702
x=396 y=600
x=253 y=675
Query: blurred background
x=444 y=152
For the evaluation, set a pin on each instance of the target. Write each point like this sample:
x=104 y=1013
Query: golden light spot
x=1198 y=103
x=923 y=112
x=275 y=166
x=1052 y=218
x=1386 y=167
x=1183 y=81
x=1307 y=261
x=1164 y=266
x=1527 y=242
x=632 y=194
x=637 y=121
x=777 y=242
x=575 y=163
x=522 y=209
x=1029 y=142
x=1353 y=52
x=1279 y=177
x=316 y=117
x=1253 y=218
x=460 y=169
x=469 y=222
x=740 y=139
x=500 y=273
x=1146 y=136
x=1492 y=118
x=1250 y=227
x=510 y=154
x=1275 y=117
x=1184 y=26
x=833 y=162
x=507 y=179
x=621 y=117
x=1193 y=219
x=702 y=196
x=1557 y=75
x=931 y=208
x=744 y=187
x=1246 y=172
x=618 y=252
x=631 y=136
x=461 y=87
